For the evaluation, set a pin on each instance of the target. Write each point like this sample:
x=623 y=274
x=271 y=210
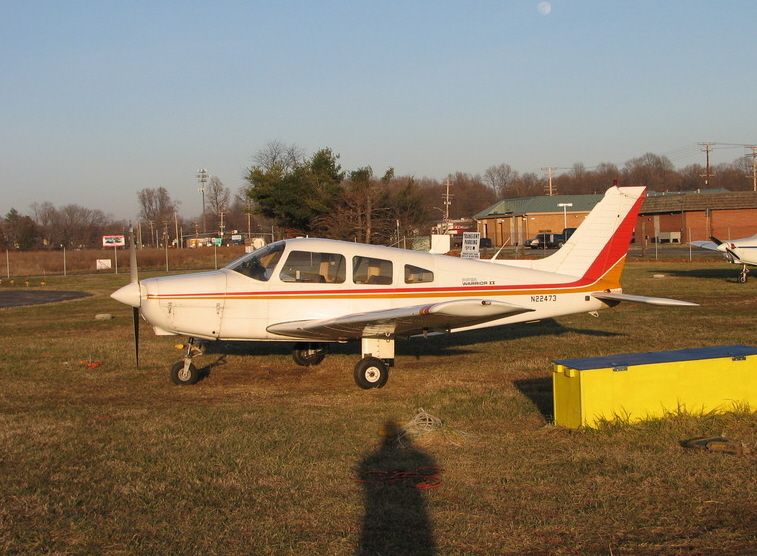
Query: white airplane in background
x=738 y=251
x=316 y=291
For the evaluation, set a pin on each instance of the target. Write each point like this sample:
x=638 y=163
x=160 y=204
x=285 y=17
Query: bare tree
x=217 y=196
x=278 y=155
x=499 y=178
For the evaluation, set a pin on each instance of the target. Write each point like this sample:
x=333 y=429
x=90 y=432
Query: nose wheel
x=184 y=372
x=743 y=275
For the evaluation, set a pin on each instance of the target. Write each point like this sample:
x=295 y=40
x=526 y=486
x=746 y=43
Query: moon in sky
x=544 y=8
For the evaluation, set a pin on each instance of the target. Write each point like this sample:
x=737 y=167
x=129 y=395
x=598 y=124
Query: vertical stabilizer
x=599 y=246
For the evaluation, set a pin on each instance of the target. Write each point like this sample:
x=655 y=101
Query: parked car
x=545 y=241
x=549 y=240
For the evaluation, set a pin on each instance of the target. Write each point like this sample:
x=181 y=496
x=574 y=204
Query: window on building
x=417 y=275
x=314 y=267
x=367 y=270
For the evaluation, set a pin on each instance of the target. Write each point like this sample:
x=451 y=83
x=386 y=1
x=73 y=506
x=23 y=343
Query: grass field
x=264 y=457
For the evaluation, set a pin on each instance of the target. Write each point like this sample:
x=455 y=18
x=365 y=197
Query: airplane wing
x=711 y=245
x=664 y=301
x=403 y=321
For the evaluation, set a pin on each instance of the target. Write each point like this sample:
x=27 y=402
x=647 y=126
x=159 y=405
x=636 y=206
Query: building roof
x=677 y=202
x=540 y=204
x=655 y=203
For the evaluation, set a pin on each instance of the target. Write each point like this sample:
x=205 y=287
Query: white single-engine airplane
x=739 y=251
x=316 y=291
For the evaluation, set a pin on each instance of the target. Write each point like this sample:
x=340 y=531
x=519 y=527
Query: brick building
x=513 y=221
x=697 y=216
x=663 y=216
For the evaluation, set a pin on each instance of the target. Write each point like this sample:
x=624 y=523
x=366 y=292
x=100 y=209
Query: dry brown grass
x=262 y=456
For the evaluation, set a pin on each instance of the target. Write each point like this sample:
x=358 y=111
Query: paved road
x=16 y=298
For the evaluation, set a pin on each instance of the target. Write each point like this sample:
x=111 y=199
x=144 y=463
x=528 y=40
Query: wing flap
x=663 y=301
x=402 y=321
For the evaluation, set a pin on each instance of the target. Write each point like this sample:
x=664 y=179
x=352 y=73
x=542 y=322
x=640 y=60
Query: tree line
x=300 y=194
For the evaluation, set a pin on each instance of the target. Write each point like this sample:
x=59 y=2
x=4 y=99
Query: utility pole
x=152 y=233
x=447 y=200
x=549 y=190
x=176 y=224
x=754 y=166
x=706 y=147
x=221 y=226
x=202 y=179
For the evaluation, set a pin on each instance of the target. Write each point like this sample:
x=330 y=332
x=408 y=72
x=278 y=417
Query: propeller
x=134 y=279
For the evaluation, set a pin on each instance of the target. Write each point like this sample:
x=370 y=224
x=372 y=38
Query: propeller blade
x=133 y=271
x=715 y=240
x=135 y=319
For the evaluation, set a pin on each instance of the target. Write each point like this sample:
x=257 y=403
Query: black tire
x=179 y=377
x=306 y=356
x=371 y=373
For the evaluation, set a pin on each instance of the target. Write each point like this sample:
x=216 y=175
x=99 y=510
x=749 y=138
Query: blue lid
x=650 y=358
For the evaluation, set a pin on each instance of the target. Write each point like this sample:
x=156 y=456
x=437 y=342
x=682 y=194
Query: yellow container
x=637 y=386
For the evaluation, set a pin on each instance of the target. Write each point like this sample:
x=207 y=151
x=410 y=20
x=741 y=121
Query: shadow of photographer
x=394 y=478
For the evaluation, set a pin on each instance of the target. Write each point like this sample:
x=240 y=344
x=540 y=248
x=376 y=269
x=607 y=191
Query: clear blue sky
x=99 y=99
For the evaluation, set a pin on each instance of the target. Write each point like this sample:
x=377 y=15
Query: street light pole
x=202 y=179
x=565 y=212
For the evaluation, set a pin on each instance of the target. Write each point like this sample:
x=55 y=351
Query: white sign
x=103 y=264
x=114 y=241
x=471 y=242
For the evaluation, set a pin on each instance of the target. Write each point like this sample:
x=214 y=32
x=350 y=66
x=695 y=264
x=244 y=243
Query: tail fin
x=599 y=246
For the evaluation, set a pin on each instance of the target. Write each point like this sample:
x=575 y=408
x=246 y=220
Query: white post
x=689 y=238
x=166 y=245
x=215 y=255
x=8 y=263
x=115 y=256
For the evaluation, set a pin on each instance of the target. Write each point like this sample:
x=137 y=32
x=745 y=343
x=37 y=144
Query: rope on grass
x=424 y=423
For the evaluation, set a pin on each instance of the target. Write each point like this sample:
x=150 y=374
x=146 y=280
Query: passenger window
x=309 y=267
x=417 y=275
x=366 y=270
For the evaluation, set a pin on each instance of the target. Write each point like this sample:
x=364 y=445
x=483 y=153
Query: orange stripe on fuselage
x=610 y=280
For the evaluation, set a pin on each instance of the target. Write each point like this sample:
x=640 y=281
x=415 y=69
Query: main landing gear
x=308 y=355
x=743 y=275
x=372 y=371
x=184 y=372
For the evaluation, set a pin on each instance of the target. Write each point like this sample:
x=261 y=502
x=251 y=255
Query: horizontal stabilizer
x=664 y=301
x=402 y=321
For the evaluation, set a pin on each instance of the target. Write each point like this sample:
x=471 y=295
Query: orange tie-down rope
x=422 y=478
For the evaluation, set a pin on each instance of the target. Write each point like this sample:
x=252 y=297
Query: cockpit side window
x=259 y=264
x=367 y=270
x=314 y=267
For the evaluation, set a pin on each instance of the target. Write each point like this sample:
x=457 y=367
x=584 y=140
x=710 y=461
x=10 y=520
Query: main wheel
x=184 y=377
x=371 y=373
x=306 y=356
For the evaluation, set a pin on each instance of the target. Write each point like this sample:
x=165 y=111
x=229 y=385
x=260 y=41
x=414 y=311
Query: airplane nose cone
x=130 y=294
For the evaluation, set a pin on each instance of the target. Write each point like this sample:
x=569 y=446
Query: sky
x=101 y=98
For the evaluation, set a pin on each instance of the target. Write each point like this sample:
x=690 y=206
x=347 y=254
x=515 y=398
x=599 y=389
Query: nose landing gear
x=743 y=275
x=184 y=372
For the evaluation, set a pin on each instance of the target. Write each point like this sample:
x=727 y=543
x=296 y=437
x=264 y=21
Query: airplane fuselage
x=230 y=305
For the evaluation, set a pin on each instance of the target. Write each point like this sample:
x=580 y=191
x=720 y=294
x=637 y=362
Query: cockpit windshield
x=260 y=263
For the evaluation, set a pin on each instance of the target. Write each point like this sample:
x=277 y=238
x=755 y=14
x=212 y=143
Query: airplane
x=318 y=291
x=738 y=251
